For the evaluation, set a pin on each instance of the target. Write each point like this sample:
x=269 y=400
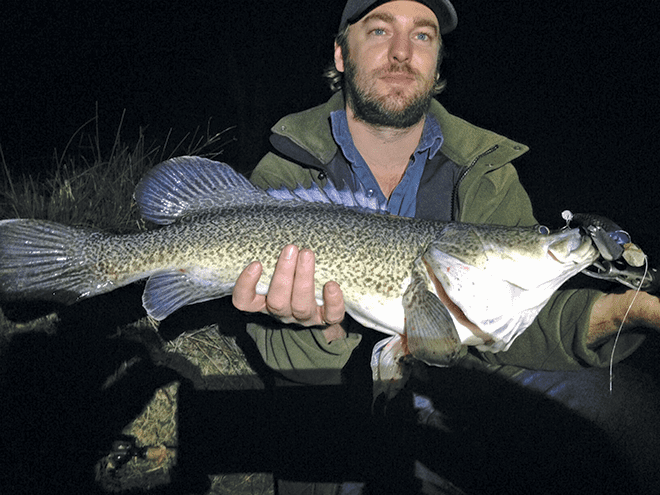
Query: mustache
x=397 y=69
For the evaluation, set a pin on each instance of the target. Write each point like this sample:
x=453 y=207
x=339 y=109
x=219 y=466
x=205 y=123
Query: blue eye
x=423 y=37
x=378 y=32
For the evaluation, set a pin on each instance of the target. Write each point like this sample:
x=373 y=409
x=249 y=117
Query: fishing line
x=618 y=333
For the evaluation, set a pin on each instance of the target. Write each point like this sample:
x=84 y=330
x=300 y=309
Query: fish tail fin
x=45 y=260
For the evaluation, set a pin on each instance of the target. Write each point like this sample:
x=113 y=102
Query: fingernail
x=308 y=254
x=289 y=254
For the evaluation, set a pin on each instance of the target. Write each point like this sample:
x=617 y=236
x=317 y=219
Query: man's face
x=391 y=67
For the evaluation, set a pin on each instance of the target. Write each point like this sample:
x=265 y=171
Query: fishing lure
x=623 y=261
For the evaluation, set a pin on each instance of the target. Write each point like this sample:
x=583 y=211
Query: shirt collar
x=432 y=137
x=403 y=200
x=431 y=140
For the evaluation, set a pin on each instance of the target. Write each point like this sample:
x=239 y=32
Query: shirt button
x=370 y=193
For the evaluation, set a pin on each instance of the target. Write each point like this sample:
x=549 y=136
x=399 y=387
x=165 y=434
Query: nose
x=400 y=48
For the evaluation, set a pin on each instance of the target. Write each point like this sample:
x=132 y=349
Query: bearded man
x=383 y=132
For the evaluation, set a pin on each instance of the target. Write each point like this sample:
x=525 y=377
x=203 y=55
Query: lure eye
x=542 y=229
x=621 y=237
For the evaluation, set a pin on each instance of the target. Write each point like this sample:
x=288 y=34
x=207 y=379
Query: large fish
x=393 y=270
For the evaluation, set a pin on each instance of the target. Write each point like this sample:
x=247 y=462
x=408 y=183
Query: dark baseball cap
x=443 y=10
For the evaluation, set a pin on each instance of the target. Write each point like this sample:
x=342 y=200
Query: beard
x=393 y=110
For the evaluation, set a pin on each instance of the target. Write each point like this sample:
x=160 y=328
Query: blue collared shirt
x=403 y=201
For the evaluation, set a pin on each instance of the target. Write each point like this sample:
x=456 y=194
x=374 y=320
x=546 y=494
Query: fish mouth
x=570 y=247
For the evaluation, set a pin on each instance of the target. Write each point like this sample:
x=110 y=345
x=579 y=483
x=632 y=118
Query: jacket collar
x=463 y=142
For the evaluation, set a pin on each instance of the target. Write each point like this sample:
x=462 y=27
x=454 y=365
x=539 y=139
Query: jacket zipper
x=454 y=196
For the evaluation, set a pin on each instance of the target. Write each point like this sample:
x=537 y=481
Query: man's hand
x=609 y=311
x=291 y=294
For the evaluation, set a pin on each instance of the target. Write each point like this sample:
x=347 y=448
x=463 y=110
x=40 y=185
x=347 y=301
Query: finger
x=333 y=303
x=304 y=307
x=244 y=296
x=278 y=299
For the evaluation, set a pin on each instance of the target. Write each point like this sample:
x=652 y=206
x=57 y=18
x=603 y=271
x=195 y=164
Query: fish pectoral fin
x=430 y=331
x=166 y=292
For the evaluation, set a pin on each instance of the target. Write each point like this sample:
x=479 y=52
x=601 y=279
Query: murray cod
x=393 y=271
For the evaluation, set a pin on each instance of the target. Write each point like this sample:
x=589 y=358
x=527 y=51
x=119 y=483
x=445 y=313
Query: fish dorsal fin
x=189 y=186
x=331 y=195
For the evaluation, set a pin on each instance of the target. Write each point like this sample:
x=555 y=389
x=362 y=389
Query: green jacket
x=488 y=191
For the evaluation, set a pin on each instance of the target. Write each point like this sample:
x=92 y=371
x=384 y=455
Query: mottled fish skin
x=215 y=223
x=213 y=250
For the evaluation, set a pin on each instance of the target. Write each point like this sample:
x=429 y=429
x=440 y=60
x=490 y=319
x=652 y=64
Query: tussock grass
x=88 y=186
x=92 y=187
x=217 y=356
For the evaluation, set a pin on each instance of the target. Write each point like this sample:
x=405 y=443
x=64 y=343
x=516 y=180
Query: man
x=385 y=131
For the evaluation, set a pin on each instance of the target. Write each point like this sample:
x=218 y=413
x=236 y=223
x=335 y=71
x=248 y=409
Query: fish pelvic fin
x=189 y=186
x=166 y=292
x=431 y=335
x=46 y=260
x=387 y=366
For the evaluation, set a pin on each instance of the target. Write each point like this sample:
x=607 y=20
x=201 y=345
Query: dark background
x=577 y=81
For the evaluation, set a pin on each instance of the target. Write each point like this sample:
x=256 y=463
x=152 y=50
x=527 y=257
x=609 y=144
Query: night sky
x=575 y=80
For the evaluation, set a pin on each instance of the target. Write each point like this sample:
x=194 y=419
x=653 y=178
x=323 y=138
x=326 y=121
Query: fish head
x=570 y=247
x=501 y=277
x=524 y=257
x=535 y=260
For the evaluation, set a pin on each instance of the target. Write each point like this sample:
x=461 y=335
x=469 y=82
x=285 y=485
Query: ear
x=339 y=58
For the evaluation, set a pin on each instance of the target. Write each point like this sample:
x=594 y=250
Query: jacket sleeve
x=300 y=355
x=556 y=340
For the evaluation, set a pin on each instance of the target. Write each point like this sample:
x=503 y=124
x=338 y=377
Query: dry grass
x=89 y=187
x=217 y=355
x=156 y=428
x=94 y=188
